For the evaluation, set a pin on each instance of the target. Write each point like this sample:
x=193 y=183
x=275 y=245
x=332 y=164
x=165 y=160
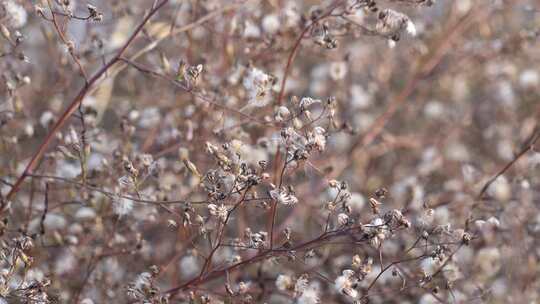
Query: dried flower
x=343 y=219
x=95 y=15
x=284 y=282
x=301 y=284
x=271 y=24
x=310 y=295
x=392 y=23
x=16 y=13
x=220 y=211
x=122 y=206
x=344 y=284
x=317 y=138
x=282 y=113
x=283 y=196
x=258 y=86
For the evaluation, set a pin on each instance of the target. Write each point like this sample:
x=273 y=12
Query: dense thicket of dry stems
x=250 y=151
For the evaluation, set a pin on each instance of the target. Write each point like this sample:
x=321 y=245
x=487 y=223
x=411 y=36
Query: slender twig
x=45 y=210
x=67 y=43
x=75 y=104
x=263 y=255
x=219 y=239
x=526 y=148
x=296 y=46
x=111 y=73
x=455 y=31
x=290 y=59
x=383 y=270
x=274 y=203
x=112 y=194
x=190 y=90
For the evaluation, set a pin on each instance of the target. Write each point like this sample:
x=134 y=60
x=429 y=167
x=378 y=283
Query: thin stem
x=296 y=46
x=262 y=256
x=75 y=104
x=527 y=147
x=67 y=43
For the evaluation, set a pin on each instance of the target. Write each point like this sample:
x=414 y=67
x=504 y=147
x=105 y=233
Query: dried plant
x=246 y=151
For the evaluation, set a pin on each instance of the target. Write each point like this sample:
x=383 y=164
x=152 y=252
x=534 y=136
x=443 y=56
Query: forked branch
x=38 y=155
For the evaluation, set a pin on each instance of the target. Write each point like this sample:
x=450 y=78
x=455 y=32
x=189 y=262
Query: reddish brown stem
x=75 y=104
x=67 y=43
x=290 y=59
x=297 y=44
x=259 y=257
x=526 y=148
x=454 y=32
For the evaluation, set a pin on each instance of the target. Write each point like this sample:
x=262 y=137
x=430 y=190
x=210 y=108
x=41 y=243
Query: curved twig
x=76 y=101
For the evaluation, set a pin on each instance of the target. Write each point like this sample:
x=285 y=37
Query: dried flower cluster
x=247 y=151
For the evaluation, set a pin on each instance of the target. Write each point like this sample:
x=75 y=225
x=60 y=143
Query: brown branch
x=111 y=73
x=290 y=59
x=75 y=103
x=297 y=44
x=455 y=31
x=71 y=17
x=219 y=238
x=188 y=89
x=68 y=44
x=383 y=270
x=526 y=148
x=45 y=210
x=260 y=257
x=273 y=212
x=112 y=194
